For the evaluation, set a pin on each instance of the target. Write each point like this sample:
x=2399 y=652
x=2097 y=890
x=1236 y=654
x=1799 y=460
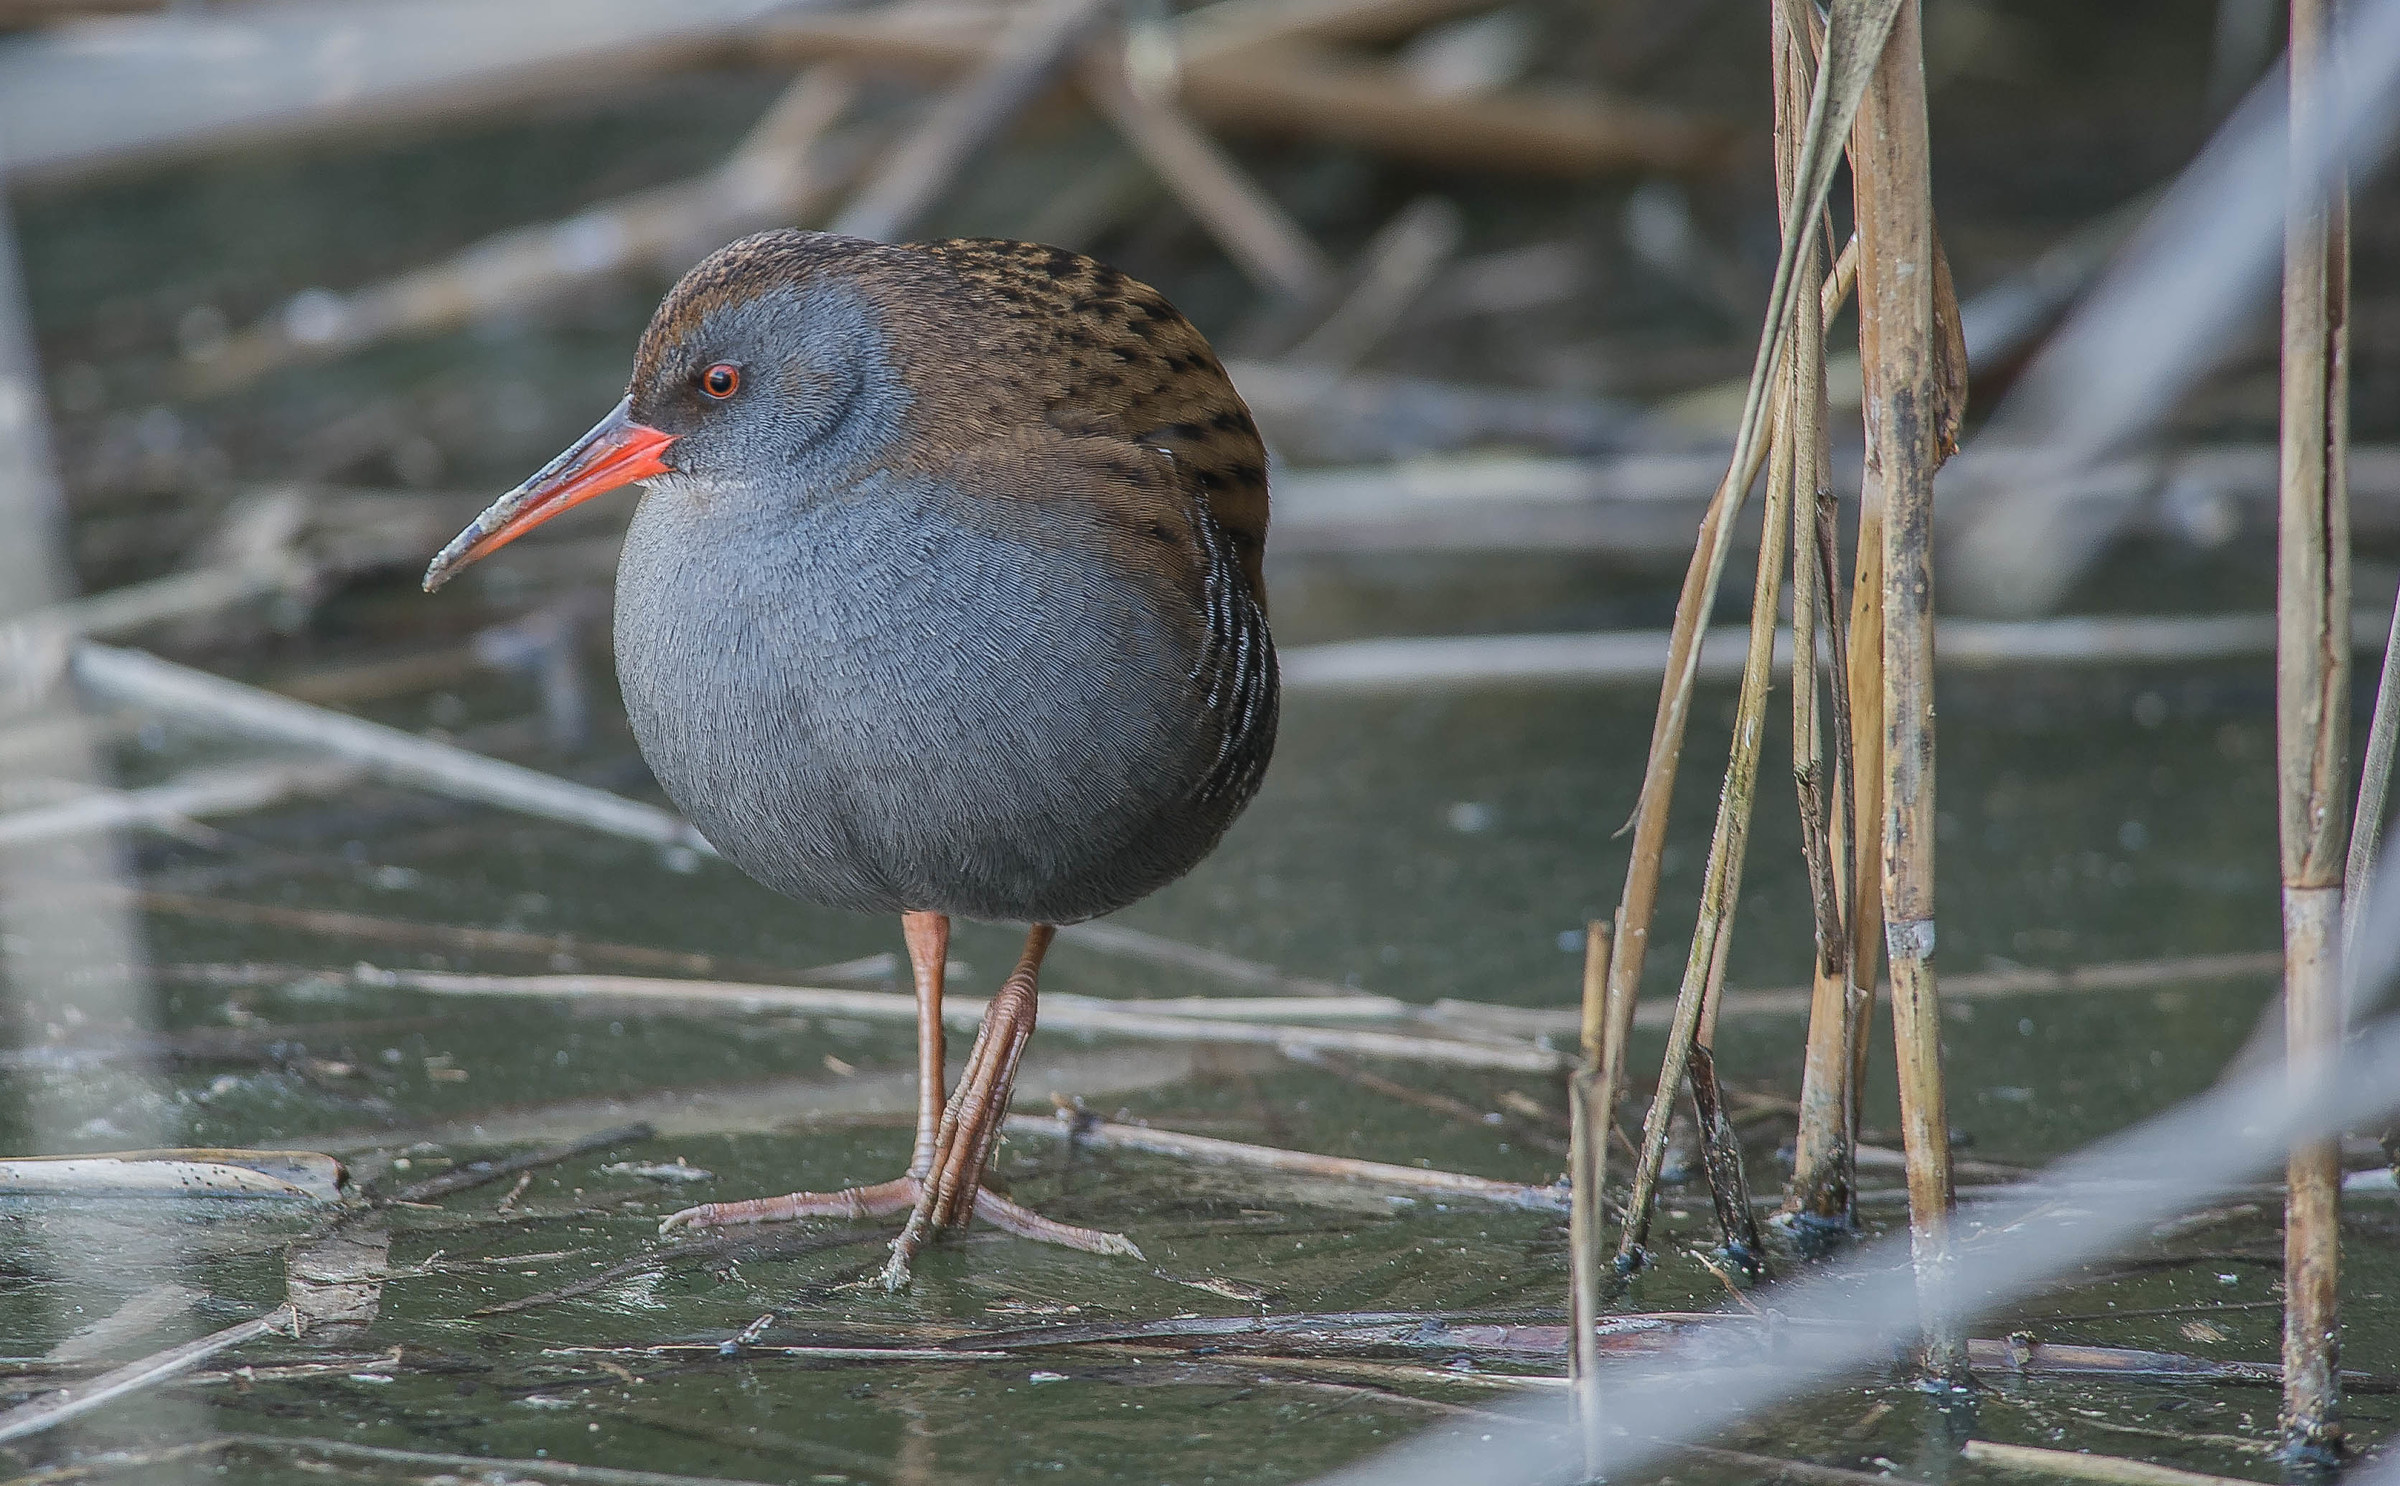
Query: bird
x=943 y=597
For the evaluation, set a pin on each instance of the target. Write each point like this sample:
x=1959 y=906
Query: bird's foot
x=907 y=1192
x=1008 y=1217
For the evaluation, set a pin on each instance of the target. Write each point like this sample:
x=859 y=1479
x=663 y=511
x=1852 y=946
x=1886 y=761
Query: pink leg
x=970 y=1126
x=944 y=1184
x=928 y=936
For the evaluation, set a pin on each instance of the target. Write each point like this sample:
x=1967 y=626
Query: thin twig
x=2374 y=784
x=1820 y=1187
x=1394 y=270
x=1590 y=1123
x=1250 y=225
x=1080 y=1013
x=1327 y=418
x=137 y=679
x=1137 y=944
x=779 y=1243
x=174 y=805
x=57 y=1408
x=341 y=923
x=1211 y=1151
x=2123 y=975
x=780 y=173
x=1721 y=1159
x=1854 y=40
x=1263 y=74
x=478 y=1173
x=1037 y=38
x=2077 y=1465
x=1621 y=656
x=1775 y=1468
x=1445 y=1105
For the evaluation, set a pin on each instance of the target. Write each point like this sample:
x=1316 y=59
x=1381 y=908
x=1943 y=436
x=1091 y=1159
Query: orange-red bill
x=618 y=451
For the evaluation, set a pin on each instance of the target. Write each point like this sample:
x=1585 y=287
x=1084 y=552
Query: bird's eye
x=722 y=380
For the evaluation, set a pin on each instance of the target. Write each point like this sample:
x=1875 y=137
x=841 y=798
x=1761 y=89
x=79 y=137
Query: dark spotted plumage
x=958 y=606
x=1108 y=356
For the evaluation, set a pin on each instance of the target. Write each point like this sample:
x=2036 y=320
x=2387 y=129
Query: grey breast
x=865 y=703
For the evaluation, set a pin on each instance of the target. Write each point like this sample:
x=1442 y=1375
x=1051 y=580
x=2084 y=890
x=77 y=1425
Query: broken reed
x=2312 y=717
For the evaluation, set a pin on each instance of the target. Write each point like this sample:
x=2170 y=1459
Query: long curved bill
x=618 y=451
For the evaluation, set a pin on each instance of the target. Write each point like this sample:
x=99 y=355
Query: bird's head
x=769 y=358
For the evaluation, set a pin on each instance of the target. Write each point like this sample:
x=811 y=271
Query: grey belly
x=897 y=717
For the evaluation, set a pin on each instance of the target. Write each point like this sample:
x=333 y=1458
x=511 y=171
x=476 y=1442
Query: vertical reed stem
x=1855 y=33
x=2374 y=787
x=2312 y=722
x=1720 y=897
x=1905 y=413
x=1629 y=946
x=1587 y=1232
x=1595 y=993
x=1860 y=825
x=1817 y=1191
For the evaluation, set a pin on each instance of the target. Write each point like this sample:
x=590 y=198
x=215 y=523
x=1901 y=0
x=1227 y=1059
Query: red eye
x=722 y=380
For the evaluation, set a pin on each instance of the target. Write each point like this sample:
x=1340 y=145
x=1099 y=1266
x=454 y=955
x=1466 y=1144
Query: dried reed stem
x=54 y=1409
x=2374 y=787
x=1587 y=1232
x=1909 y=410
x=780 y=173
x=1207 y=1150
x=1032 y=45
x=1820 y=1187
x=1855 y=35
x=1720 y=896
x=1252 y=227
x=1594 y=1031
x=1188 y=1021
x=2076 y=1465
x=136 y=678
x=2312 y=731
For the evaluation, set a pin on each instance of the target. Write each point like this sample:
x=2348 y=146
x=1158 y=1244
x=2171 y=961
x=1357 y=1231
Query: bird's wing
x=1109 y=362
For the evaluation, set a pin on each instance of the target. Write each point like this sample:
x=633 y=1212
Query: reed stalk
x=2312 y=730
x=1587 y=1230
x=1694 y=1029
x=1854 y=37
x=1819 y=1189
x=1911 y=403
x=2374 y=789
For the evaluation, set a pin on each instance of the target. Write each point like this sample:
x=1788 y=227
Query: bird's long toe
x=1006 y=1216
x=849 y=1202
x=1024 y=1222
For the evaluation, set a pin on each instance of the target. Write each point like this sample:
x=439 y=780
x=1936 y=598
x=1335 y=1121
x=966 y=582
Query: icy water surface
x=1422 y=845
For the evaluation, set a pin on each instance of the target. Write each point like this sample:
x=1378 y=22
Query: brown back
x=1100 y=355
